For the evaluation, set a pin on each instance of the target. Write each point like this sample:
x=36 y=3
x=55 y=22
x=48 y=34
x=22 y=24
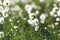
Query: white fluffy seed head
x=15 y=27
x=36 y=21
x=57 y=19
x=1 y=34
x=32 y=22
x=28 y=7
x=0 y=3
x=42 y=0
x=55 y=9
x=5 y=14
x=37 y=12
x=58 y=0
x=45 y=28
x=55 y=15
x=10 y=20
x=31 y=15
x=6 y=3
x=1 y=8
x=36 y=28
x=58 y=13
x=56 y=23
x=1 y=20
x=51 y=13
x=54 y=5
x=43 y=17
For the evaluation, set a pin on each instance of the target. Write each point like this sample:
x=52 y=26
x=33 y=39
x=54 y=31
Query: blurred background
x=29 y=19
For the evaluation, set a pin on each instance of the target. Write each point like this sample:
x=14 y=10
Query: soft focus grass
x=26 y=31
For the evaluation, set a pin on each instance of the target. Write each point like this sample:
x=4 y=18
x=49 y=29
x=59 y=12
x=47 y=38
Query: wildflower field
x=29 y=19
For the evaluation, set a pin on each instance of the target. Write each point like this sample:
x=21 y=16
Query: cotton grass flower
x=52 y=13
x=6 y=3
x=58 y=13
x=55 y=9
x=5 y=14
x=1 y=20
x=1 y=8
x=1 y=34
x=56 y=23
x=31 y=22
x=42 y=0
x=15 y=27
x=36 y=28
x=58 y=0
x=31 y=15
x=45 y=28
x=35 y=23
x=28 y=7
x=57 y=19
x=55 y=15
x=37 y=12
x=10 y=20
x=42 y=17
x=0 y=3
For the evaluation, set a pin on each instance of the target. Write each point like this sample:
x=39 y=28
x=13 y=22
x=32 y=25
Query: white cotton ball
x=55 y=15
x=58 y=13
x=52 y=13
x=36 y=21
x=45 y=28
x=1 y=34
x=10 y=20
x=41 y=0
x=29 y=12
x=31 y=15
x=54 y=5
x=1 y=20
x=32 y=22
x=36 y=28
x=57 y=19
x=0 y=3
x=1 y=9
x=37 y=12
x=45 y=39
x=43 y=17
x=56 y=23
x=58 y=0
x=15 y=27
x=6 y=3
x=11 y=29
x=55 y=9
x=5 y=14
x=28 y=7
